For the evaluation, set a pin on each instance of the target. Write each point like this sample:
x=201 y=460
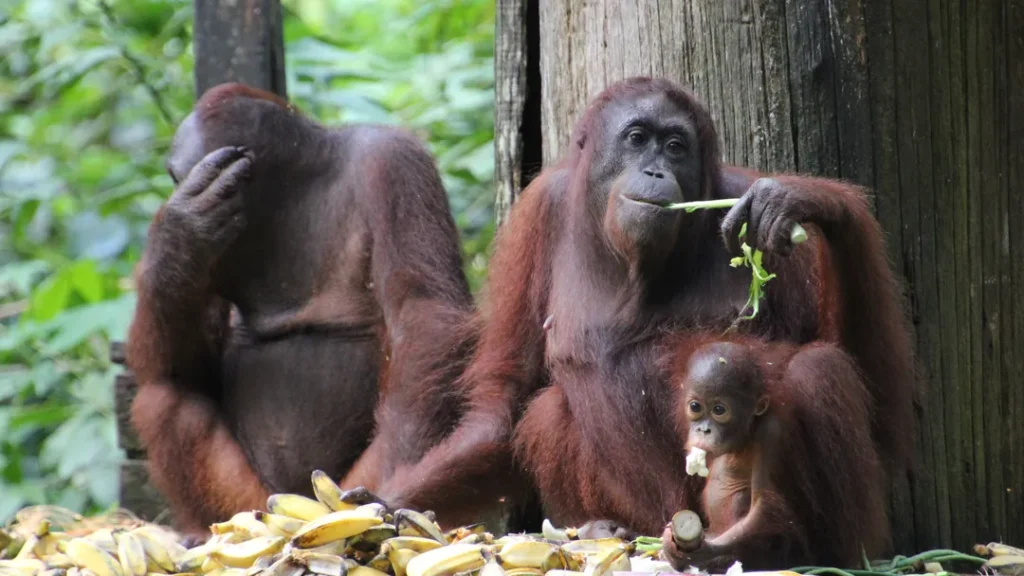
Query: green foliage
x=90 y=94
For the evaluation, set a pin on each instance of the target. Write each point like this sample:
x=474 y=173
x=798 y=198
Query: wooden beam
x=239 y=42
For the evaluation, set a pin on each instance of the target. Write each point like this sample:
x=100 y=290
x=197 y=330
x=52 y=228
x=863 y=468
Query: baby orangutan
x=724 y=410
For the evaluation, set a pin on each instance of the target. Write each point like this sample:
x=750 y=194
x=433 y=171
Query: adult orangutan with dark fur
x=771 y=464
x=295 y=275
x=593 y=276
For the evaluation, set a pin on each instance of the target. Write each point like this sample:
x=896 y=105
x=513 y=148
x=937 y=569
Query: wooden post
x=923 y=101
x=239 y=42
x=516 y=101
x=233 y=42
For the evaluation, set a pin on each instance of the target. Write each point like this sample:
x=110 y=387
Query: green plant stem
x=797 y=235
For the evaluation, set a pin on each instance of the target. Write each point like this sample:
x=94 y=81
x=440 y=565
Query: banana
x=463 y=532
x=413 y=523
x=279 y=524
x=530 y=554
x=593 y=546
x=400 y=559
x=131 y=554
x=59 y=560
x=296 y=506
x=1007 y=564
x=525 y=572
x=194 y=559
x=492 y=568
x=372 y=538
x=89 y=556
x=155 y=551
x=28 y=547
x=104 y=538
x=1000 y=549
x=380 y=563
x=329 y=493
x=333 y=527
x=244 y=522
x=551 y=533
x=244 y=554
x=285 y=566
x=29 y=565
x=365 y=571
x=447 y=560
x=416 y=543
x=612 y=559
x=326 y=564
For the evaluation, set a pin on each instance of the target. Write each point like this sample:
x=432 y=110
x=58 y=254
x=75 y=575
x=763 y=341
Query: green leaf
x=51 y=297
x=87 y=280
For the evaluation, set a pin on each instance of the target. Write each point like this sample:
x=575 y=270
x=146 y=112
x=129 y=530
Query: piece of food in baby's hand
x=696 y=462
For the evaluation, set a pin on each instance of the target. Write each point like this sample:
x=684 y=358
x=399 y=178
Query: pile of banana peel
x=300 y=536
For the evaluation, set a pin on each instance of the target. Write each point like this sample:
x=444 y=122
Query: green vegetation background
x=90 y=94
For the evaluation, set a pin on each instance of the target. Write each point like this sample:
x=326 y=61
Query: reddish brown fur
x=815 y=469
x=344 y=284
x=585 y=399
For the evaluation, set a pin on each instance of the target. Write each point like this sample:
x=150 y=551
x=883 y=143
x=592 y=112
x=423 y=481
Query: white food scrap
x=696 y=462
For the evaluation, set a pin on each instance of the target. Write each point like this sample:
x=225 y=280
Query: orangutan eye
x=719 y=410
x=637 y=137
x=675 y=147
x=696 y=408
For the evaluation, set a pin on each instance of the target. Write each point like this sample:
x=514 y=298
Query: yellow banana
x=326 y=564
x=333 y=527
x=155 y=551
x=280 y=524
x=194 y=559
x=415 y=543
x=29 y=565
x=413 y=523
x=329 y=493
x=525 y=572
x=59 y=560
x=609 y=560
x=244 y=522
x=244 y=554
x=131 y=554
x=594 y=546
x=530 y=554
x=89 y=556
x=28 y=547
x=400 y=559
x=296 y=506
x=365 y=571
x=380 y=563
x=447 y=560
x=1000 y=549
x=104 y=538
x=1007 y=564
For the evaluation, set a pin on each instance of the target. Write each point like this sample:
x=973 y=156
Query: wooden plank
x=239 y=42
x=510 y=58
x=1014 y=136
x=125 y=389
x=139 y=496
x=945 y=108
x=918 y=209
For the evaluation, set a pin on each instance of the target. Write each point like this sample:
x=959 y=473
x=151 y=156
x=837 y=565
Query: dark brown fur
x=568 y=371
x=335 y=256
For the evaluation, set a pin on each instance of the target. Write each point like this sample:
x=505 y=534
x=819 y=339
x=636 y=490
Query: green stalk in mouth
x=797 y=235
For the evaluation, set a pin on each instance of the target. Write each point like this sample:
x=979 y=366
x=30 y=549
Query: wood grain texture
x=510 y=55
x=923 y=102
x=239 y=41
